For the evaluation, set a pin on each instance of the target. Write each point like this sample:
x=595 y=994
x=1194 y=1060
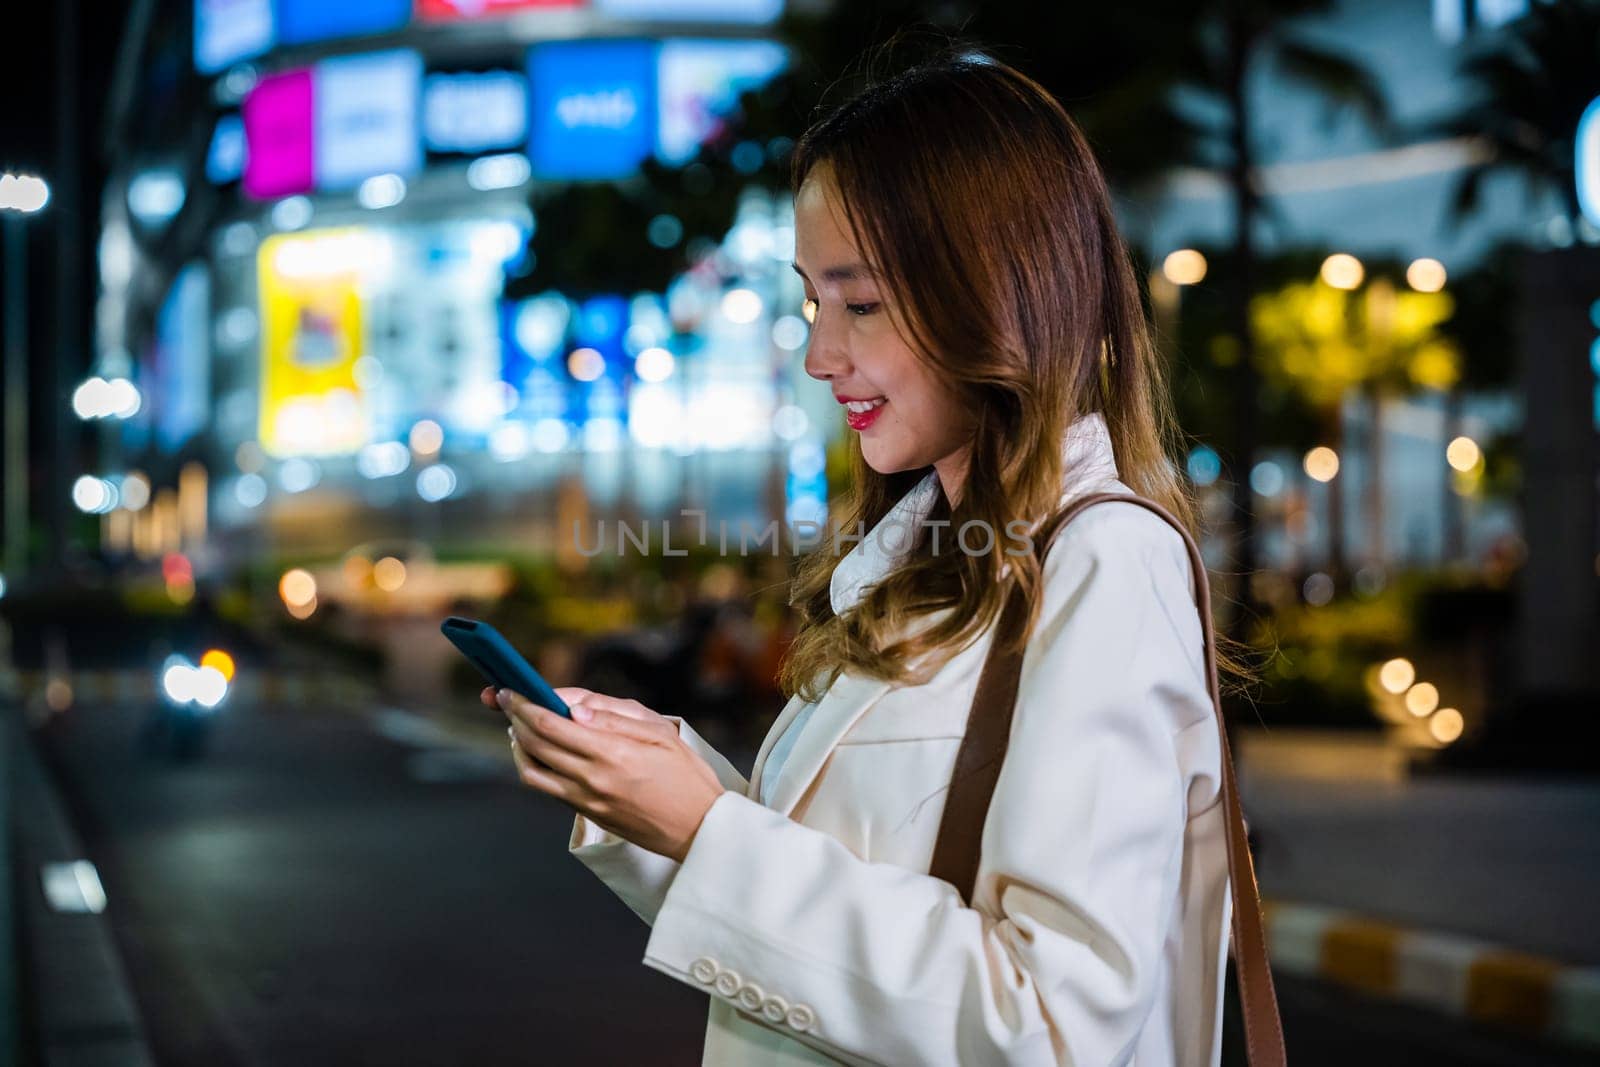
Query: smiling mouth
x=860 y=414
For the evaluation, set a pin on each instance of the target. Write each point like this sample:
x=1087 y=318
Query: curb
x=1462 y=976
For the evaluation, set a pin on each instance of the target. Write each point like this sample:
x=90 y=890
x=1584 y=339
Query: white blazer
x=1098 y=931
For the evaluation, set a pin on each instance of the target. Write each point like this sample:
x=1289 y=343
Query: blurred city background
x=323 y=321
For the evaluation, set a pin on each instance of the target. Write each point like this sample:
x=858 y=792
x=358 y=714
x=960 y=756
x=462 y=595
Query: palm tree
x=1322 y=343
x=1528 y=86
x=1238 y=37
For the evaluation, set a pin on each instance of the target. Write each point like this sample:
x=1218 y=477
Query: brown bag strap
x=983 y=749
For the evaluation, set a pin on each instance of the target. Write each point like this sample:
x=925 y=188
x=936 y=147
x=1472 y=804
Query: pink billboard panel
x=277 y=126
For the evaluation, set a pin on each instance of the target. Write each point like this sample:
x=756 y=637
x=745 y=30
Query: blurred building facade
x=312 y=259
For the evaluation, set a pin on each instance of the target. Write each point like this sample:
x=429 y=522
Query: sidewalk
x=75 y=1007
x=1468 y=895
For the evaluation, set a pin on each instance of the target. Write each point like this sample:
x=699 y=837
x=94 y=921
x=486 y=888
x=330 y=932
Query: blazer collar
x=1087 y=460
x=1089 y=464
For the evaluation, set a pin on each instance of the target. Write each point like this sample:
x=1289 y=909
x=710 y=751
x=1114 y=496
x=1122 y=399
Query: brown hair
x=974 y=193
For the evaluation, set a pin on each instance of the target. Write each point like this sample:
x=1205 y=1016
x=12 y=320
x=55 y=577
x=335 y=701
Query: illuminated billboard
x=700 y=81
x=456 y=10
x=593 y=107
x=1586 y=170
x=474 y=112
x=227 y=31
x=753 y=12
x=366 y=117
x=278 y=131
x=311 y=293
x=181 y=379
x=226 y=154
x=300 y=21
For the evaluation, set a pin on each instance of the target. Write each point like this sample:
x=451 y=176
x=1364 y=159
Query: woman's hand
x=621 y=765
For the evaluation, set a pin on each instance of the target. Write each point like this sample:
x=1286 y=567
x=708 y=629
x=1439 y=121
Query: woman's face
x=906 y=416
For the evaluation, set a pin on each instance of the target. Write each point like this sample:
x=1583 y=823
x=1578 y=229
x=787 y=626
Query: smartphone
x=501 y=664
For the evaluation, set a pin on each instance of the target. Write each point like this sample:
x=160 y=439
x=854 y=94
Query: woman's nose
x=825 y=359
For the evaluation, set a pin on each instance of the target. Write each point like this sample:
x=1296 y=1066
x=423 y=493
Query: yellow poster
x=311 y=338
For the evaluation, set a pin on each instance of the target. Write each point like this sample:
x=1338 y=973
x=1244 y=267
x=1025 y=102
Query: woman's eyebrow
x=847 y=272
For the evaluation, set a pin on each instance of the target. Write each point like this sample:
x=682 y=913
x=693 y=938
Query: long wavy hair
x=977 y=197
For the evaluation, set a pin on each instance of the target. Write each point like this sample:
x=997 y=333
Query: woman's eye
x=861 y=309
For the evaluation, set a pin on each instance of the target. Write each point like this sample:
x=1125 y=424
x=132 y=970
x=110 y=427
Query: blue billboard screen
x=300 y=21
x=593 y=108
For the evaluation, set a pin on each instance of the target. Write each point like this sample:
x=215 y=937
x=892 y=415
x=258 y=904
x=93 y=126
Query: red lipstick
x=860 y=420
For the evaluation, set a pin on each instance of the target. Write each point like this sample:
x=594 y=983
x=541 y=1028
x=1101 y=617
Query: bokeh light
x=426 y=437
x=219 y=660
x=1267 y=478
x=654 y=365
x=297 y=587
x=585 y=364
x=1343 y=271
x=1426 y=275
x=389 y=574
x=1204 y=465
x=1446 y=725
x=1396 y=675
x=1321 y=463
x=1317 y=589
x=741 y=305
x=1422 y=698
x=435 y=483
x=1186 y=266
x=1463 y=454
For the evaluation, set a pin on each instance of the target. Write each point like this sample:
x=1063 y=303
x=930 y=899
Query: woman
x=976 y=312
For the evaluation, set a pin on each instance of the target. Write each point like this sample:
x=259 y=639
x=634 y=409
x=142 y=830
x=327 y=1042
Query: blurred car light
x=73 y=887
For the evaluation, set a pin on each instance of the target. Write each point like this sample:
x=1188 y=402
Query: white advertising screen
x=226 y=31
x=366 y=117
x=745 y=11
x=474 y=112
x=702 y=80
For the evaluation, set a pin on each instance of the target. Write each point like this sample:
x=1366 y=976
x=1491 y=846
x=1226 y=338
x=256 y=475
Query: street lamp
x=21 y=195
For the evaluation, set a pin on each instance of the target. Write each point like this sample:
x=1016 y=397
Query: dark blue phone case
x=501 y=664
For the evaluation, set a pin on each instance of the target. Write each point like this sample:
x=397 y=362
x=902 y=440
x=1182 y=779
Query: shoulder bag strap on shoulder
x=983 y=749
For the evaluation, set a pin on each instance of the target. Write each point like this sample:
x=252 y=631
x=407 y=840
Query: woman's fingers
x=618 y=721
x=557 y=729
x=563 y=761
x=487 y=696
x=541 y=778
x=572 y=694
x=630 y=708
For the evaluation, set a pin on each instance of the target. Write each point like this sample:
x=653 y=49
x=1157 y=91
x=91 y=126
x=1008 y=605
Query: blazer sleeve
x=636 y=875
x=1059 y=959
